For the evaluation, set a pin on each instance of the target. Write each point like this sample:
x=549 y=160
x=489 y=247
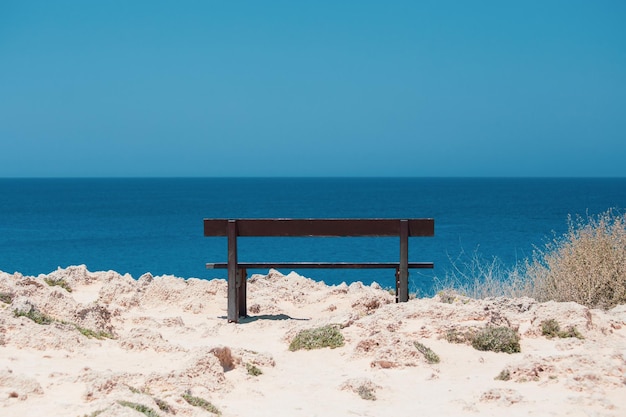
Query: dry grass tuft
x=225 y=356
x=586 y=265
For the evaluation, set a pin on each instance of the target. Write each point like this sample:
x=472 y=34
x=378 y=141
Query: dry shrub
x=586 y=265
x=225 y=357
x=477 y=277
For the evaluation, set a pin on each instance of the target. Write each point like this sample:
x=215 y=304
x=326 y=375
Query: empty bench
x=237 y=271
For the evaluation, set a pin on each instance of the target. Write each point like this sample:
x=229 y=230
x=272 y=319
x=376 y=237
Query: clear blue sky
x=312 y=88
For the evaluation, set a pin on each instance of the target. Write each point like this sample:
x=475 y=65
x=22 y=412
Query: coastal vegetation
x=44 y=319
x=550 y=328
x=490 y=338
x=6 y=297
x=586 y=265
x=430 y=356
x=201 y=403
x=317 y=338
x=139 y=407
x=58 y=282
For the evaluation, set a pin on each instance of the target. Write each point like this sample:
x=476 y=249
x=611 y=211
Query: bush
x=586 y=265
x=429 y=354
x=551 y=328
x=6 y=297
x=202 y=403
x=320 y=337
x=149 y=412
x=58 y=282
x=253 y=370
x=35 y=315
x=497 y=339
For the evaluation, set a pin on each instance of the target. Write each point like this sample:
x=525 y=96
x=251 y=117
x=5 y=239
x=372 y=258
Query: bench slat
x=322 y=265
x=319 y=227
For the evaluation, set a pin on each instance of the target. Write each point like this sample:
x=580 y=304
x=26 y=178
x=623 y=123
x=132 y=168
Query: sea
x=140 y=225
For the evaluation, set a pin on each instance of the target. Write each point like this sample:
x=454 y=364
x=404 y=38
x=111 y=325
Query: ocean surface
x=155 y=225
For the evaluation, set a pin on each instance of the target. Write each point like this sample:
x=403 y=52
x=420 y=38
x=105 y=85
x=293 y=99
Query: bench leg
x=241 y=292
x=233 y=274
x=402 y=281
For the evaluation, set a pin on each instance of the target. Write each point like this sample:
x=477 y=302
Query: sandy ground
x=169 y=337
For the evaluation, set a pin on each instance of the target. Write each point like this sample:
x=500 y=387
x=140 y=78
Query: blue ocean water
x=155 y=225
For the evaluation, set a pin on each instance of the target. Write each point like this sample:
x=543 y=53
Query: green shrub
x=586 y=265
x=139 y=407
x=97 y=334
x=458 y=336
x=202 y=403
x=320 y=337
x=34 y=315
x=431 y=357
x=366 y=393
x=6 y=297
x=497 y=339
x=253 y=370
x=551 y=328
x=58 y=282
x=504 y=375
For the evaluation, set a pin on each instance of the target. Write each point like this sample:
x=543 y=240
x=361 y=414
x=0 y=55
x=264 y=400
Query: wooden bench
x=237 y=271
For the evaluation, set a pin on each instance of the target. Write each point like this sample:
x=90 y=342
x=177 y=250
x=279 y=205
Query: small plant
x=366 y=393
x=202 y=403
x=6 y=297
x=96 y=334
x=163 y=406
x=504 y=375
x=571 y=331
x=34 y=315
x=497 y=339
x=458 y=336
x=253 y=370
x=320 y=337
x=58 y=282
x=134 y=390
x=431 y=357
x=551 y=328
x=447 y=296
x=139 y=407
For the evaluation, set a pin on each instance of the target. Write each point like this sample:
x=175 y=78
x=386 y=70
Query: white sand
x=166 y=330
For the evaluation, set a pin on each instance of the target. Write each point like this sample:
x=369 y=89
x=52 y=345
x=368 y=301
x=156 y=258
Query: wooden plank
x=319 y=227
x=322 y=265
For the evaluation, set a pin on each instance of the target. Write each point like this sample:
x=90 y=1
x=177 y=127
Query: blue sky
x=312 y=88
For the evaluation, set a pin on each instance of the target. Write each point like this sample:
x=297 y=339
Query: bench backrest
x=320 y=227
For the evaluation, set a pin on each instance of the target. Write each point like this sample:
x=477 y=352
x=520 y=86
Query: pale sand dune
x=167 y=330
